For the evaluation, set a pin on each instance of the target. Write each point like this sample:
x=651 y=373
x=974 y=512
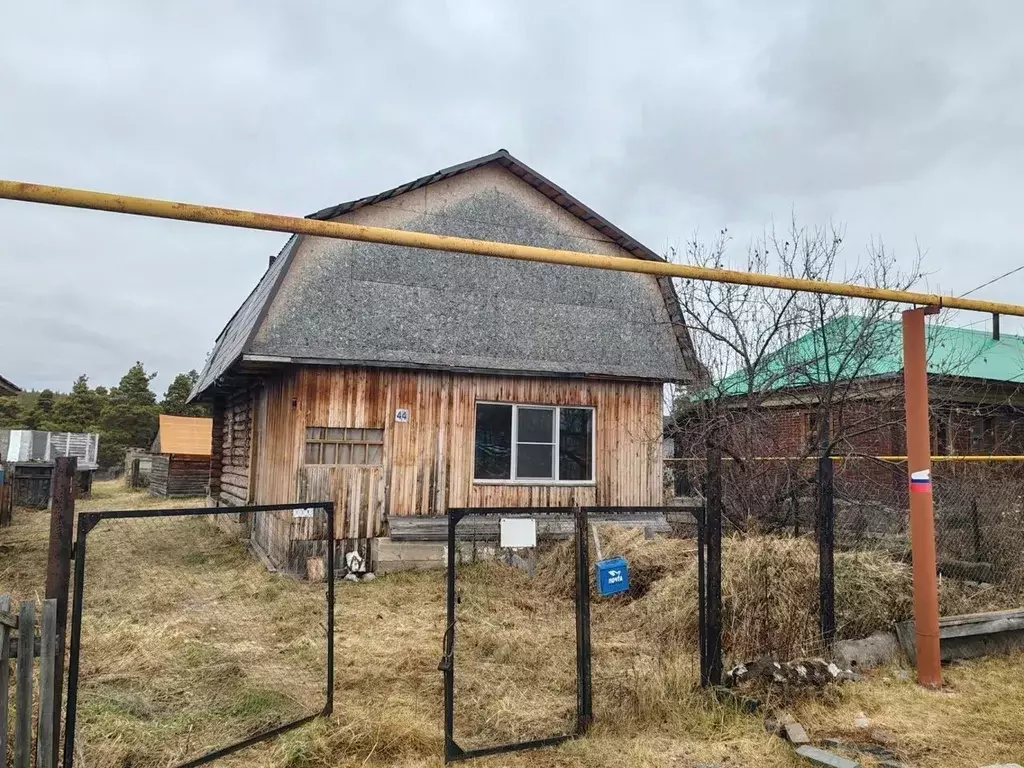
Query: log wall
x=235 y=446
x=175 y=475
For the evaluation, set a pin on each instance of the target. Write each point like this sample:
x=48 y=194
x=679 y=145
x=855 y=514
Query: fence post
x=5 y=672
x=585 y=707
x=6 y=498
x=713 y=562
x=45 y=748
x=58 y=572
x=826 y=549
x=23 y=694
x=702 y=621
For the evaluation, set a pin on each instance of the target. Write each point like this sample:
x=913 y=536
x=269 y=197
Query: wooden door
x=357 y=493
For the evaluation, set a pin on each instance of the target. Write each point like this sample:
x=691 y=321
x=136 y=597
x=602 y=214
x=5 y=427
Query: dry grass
x=975 y=720
x=189 y=644
x=649 y=559
x=770 y=598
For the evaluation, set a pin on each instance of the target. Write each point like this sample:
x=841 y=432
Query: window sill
x=540 y=483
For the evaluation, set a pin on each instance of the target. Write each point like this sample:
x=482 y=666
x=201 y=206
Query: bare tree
x=769 y=352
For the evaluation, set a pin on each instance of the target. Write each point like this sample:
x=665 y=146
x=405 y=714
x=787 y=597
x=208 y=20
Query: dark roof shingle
x=352 y=309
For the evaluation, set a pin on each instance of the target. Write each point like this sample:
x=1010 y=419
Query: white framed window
x=534 y=444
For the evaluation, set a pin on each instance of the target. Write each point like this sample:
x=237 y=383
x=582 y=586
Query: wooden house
x=8 y=388
x=402 y=382
x=180 y=463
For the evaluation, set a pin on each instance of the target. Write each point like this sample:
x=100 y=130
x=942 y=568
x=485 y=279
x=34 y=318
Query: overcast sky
x=902 y=120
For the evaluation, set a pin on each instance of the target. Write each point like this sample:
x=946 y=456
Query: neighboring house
x=180 y=457
x=975 y=392
x=402 y=382
x=8 y=388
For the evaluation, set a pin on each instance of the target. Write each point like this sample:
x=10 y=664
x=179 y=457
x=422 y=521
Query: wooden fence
x=20 y=642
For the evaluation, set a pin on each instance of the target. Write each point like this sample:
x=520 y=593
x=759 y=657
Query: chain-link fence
x=979 y=524
x=183 y=645
x=778 y=578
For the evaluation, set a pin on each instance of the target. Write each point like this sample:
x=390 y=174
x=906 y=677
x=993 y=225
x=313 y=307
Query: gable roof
x=8 y=387
x=818 y=357
x=184 y=435
x=239 y=337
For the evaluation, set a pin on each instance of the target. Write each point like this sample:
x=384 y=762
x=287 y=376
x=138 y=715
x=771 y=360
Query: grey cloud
x=901 y=119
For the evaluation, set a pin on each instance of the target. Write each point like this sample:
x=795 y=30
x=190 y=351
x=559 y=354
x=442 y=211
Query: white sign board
x=402 y=415
x=297 y=513
x=518 y=532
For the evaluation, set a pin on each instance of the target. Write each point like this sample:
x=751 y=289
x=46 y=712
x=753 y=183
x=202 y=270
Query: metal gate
x=584 y=707
x=88 y=521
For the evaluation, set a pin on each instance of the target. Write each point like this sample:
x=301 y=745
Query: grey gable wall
x=378 y=304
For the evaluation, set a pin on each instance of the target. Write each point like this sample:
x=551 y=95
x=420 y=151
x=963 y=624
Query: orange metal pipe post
x=922 y=516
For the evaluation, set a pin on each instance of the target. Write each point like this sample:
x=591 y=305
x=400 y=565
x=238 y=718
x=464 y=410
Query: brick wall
x=861 y=429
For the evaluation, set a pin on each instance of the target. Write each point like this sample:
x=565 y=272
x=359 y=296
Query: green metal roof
x=836 y=352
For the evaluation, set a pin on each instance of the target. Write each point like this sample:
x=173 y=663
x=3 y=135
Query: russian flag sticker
x=921 y=481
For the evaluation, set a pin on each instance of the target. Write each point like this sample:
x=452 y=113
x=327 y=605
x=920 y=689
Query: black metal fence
x=832 y=537
x=480 y=537
x=165 y=605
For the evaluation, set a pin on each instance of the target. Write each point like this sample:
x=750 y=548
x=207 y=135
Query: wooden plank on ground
x=44 y=731
x=5 y=676
x=23 y=694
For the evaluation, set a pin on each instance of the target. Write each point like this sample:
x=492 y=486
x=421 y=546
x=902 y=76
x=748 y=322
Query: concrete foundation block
x=874 y=651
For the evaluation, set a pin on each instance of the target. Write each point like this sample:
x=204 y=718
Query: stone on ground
x=826 y=759
x=796 y=733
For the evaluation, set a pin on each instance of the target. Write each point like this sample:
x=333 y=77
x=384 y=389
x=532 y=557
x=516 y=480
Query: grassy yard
x=190 y=644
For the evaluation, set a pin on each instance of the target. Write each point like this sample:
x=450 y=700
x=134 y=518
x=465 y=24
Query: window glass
x=535 y=425
x=493 y=444
x=533 y=443
x=330 y=453
x=312 y=453
x=341 y=445
x=535 y=462
x=575 y=444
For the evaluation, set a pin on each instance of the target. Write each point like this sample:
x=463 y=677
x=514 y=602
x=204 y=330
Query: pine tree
x=45 y=402
x=80 y=410
x=11 y=416
x=175 y=399
x=129 y=416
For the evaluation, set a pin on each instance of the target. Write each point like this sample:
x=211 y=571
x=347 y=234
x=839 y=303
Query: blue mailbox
x=612 y=576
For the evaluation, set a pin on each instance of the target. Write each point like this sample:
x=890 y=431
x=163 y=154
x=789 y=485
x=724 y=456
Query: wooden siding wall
x=177 y=475
x=235 y=432
x=428 y=461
